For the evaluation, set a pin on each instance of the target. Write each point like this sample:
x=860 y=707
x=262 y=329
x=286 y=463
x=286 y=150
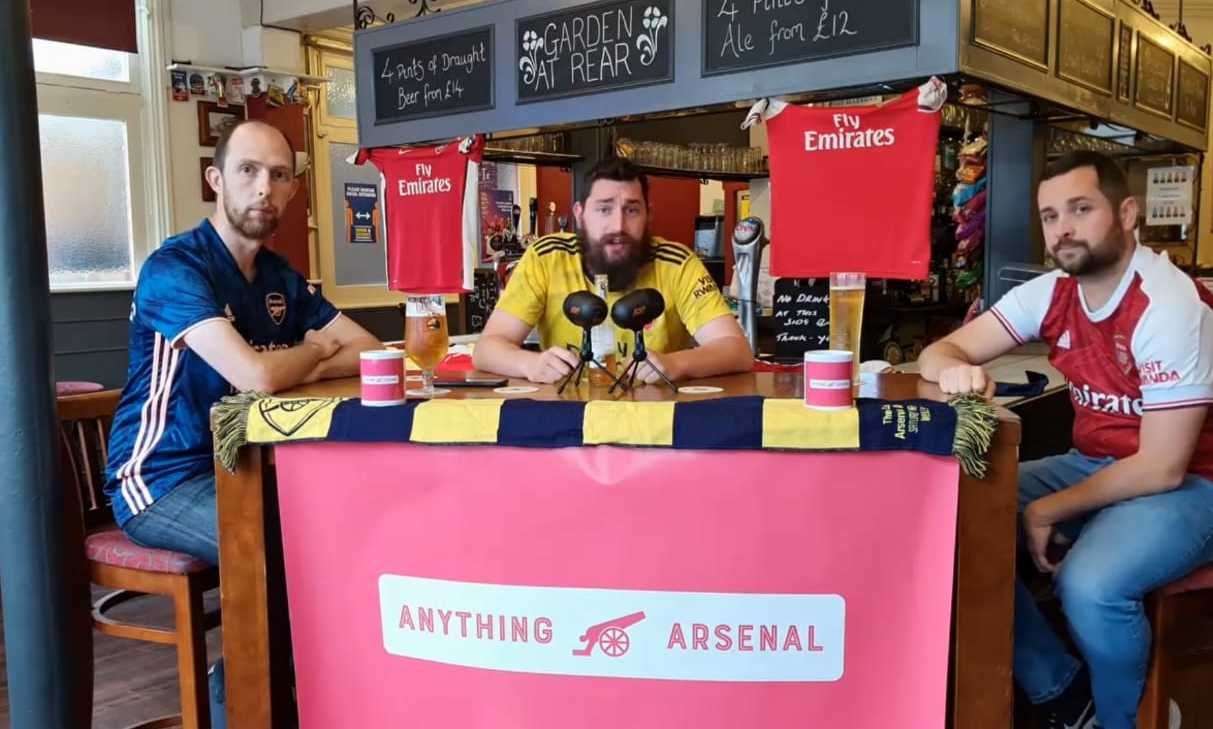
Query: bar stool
x=132 y=571
x=1176 y=611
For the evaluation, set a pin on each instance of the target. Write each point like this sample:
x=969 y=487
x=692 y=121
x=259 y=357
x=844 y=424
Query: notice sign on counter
x=740 y=35
x=802 y=316
x=594 y=47
x=448 y=74
x=1169 y=196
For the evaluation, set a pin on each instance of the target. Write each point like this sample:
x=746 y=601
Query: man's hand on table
x=964 y=379
x=646 y=374
x=551 y=365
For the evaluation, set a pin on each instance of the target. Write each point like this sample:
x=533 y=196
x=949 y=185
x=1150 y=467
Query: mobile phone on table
x=473 y=378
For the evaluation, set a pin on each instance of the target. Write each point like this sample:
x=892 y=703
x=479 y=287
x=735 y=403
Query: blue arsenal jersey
x=160 y=435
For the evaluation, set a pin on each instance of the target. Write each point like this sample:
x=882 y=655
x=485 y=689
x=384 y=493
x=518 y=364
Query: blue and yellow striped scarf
x=963 y=427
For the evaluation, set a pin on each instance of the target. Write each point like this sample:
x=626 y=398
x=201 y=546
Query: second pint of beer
x=846 y=315
x=425 y=336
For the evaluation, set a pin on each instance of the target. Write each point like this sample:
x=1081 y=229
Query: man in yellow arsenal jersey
x=697 y=336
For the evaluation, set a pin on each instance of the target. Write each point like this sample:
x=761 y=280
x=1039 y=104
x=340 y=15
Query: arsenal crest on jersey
x=1123 y=357
x=275 y=304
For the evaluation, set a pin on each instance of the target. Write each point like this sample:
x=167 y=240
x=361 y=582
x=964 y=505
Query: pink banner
x=495 y=588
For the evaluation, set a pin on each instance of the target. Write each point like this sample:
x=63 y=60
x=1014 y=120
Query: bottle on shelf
x=602 y=339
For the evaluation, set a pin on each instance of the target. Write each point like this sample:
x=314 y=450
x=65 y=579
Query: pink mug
x=827 y=379
x=382 y=373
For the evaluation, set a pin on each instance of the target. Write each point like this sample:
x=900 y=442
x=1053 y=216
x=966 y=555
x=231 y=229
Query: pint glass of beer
x=846 y=315
x=425 y=338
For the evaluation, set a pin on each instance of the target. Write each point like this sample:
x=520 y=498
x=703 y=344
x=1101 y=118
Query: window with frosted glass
x=339 y=93
x=86 y=191
x=68 y=59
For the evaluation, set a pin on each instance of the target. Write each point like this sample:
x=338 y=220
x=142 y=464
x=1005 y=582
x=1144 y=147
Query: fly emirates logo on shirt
x=425 y=184
x=849 y=133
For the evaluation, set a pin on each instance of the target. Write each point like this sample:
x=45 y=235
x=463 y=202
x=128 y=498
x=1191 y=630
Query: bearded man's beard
x=621 y=272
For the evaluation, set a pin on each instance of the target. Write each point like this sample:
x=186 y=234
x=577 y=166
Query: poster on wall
x=496 y=213
x=1169 y=196
x=499 y=196
x=362 y=212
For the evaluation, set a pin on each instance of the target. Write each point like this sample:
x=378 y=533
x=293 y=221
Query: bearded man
x=697 y=336
x=1133 y=501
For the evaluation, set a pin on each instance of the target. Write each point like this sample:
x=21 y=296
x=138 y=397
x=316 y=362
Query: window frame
x=141 y=104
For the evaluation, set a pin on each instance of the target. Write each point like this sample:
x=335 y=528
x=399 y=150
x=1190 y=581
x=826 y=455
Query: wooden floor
x=138 y=681
x=134 y=681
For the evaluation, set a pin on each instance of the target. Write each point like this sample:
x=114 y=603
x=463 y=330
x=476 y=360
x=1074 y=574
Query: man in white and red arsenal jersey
x=1133 y=335
x=430 y=195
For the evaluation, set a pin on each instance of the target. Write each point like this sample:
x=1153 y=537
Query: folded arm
x=219 y=344
x=351 y=340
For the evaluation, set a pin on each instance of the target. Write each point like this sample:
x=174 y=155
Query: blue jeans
x=1120 y=553
x=185 y=520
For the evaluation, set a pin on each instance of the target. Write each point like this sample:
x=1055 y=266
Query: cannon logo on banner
x=595 y=47
x=688 y=636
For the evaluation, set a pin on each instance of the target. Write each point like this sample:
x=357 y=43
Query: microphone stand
x=586 y=359
x=641 y=354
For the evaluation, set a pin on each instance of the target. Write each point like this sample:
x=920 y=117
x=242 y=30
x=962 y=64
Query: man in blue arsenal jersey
x=215 y=312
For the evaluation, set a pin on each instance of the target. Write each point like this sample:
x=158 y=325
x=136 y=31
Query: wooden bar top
x=765 y=384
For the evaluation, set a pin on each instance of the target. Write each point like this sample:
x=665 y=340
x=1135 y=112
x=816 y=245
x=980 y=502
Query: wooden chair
x=1181 y=618
x=132 y=571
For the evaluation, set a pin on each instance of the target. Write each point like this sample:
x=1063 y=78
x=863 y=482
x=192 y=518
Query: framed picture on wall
x=212 y=119
x=208 y=194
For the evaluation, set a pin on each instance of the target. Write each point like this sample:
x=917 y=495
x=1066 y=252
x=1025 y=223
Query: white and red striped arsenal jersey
x=1149 y=348
x=431 y=204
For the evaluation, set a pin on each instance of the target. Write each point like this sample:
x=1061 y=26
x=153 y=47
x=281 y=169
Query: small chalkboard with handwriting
x=593 y=48
x=448 y=74
x=802 y=316
x=740 y=35
x=481 y=299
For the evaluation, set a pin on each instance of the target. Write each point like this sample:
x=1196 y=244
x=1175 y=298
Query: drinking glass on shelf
x=425 y=338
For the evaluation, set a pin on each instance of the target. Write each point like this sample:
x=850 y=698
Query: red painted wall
x=553 y=184
x=673 y=205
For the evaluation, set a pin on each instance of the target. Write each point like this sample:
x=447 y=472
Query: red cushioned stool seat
x=113 y=547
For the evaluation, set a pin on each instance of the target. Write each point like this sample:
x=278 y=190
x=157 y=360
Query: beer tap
x=748 y=242
x=534 y=234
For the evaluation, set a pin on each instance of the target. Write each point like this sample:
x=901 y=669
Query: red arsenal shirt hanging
x=852 y=187
x=430 y=195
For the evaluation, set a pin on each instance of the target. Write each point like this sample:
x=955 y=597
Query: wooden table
x=255 y=630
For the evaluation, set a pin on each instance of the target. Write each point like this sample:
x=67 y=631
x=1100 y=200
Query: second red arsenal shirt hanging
x=852 y=187
x=431 y=199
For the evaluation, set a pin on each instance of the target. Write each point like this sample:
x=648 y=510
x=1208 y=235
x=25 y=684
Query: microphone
x=585 y=309
x=638 y=309
x=634 y=312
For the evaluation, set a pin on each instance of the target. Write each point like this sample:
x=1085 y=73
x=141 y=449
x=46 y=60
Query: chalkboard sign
x=740 y=35
x=481 y=299
x=802 y=316
x=448 y=74
x=596 y=47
